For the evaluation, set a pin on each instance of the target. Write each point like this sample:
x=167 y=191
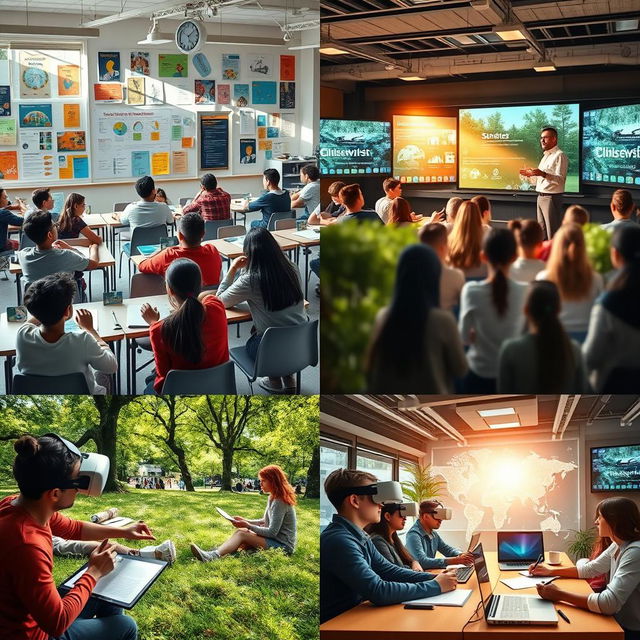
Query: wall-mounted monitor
x=611 y=146
x=615 y=468
x=496 y=142
x=424 y=149
x=355 y=147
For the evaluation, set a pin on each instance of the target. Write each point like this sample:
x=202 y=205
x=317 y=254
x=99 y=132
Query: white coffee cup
x=554 y=557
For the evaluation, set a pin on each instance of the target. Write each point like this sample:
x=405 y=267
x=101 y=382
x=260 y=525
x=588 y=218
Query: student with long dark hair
x=543 y=360
x=71 y=225
x=613 y=339
x=270 y=283
x=195 y=335
x=491 y=312
x=415 y=345
x=619 y=519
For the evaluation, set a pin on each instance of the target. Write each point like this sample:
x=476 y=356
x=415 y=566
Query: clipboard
x=128 y=576
x=224 y=514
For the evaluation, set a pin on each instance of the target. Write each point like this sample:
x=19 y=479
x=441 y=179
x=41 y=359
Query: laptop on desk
x=517 y=550
x=464 y=573
x=507 y=609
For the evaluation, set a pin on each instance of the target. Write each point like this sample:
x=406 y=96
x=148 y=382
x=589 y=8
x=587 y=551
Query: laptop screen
x=482 y=573
x=519 y=545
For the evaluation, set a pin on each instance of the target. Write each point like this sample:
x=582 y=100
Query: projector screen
x=424 y=149
x=615 y=468
x=355 y=147
x=611 y=146
x=496 y=142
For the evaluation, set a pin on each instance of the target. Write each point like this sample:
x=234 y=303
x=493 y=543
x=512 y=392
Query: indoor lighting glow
x=505 y=425
x=488 y=413
x=332 y=51
x=411 y=78
x=509 y=32
x=544 y=67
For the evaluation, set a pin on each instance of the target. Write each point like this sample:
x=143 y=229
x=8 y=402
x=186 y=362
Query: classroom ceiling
x=455 y=38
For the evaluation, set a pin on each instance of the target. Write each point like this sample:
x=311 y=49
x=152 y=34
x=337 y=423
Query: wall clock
x=190 y=36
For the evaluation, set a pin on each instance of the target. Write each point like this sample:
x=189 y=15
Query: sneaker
x=272 y=385
x=202 y=555
x=289 y=383
x=166 y=551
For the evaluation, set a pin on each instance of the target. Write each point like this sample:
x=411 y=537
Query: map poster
x=224 y=94
x=173 y=65
x=8 y=165
x=68 y=80
x=263 y=92
x=287 y=95
x=140 y=63
x=8 y=133
x=247 y=150
x=35 y=75
x=35 y=115
x=287 y=68
x=108 y=66
x=230 y=66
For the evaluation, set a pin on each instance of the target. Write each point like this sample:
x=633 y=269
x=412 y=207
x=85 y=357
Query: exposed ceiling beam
x=395 y=11
x=70 y=32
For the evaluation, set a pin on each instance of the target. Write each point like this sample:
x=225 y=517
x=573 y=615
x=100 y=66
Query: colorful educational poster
x=268 y=154
x=8 y=165
x=224 y=94
x=135 y=90
x=275 y=120
x=68 y=80
x=247 y=122
x=178 y=92
x=262 y=120
x=160 y=163
x=273 y=132
x=201 y=65
x=180 y=161
x=71 y=115
x=241 y=95
x=140 y=63
x=45 y=140
x=230 y=66
x=140 y=163
x=287 y=95
x=65 y=168
x=173 y=65
x=247 y=150
x=5 y=100
x=287 y=68
x=37 y=165
x=111 y=92
x=35 y=75
x=205 y=91
x=154 y=91
x=80 y=166
x=263 y=92
x=71 y=141
x=265 y=145
x=8 y=133
x=259 y=66
x=188 y=142
x=176 y=129
x=73 y=167
x=35 y=115
x=5 y=75
x=262 y=133
x=109 y=66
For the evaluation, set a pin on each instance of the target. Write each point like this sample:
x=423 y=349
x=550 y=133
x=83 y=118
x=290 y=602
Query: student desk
x=305 y=243
x=92 y=220
x=366 y=622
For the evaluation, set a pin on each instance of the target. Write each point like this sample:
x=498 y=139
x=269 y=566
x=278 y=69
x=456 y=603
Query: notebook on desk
x=71 y=326
x=312 y=234
x=134 y=314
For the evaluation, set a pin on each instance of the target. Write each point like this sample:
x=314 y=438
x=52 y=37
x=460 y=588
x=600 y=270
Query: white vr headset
x=381 y=492
x=406 y=509
x=441 y=513
x=94 y=470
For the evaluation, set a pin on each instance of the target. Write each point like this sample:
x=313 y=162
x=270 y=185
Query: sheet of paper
x=455 y=598
x=314 y=234
x=224 y=514
x=525 y=582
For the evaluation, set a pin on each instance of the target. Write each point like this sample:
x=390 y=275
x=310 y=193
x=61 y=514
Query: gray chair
x=280 y=215
x=184 y=201
x=282 y=351
x=141 y=236
x=282 y=225
x=211 y=227
x=231 y=231
x=69 y=384
x=123 y=234
x=218 y=380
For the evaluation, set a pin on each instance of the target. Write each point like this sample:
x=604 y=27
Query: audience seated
x=71 y=225
x=146 y=212
x=400 y=213
x=333 y=209
x=529 y=236
x=7 y=217
x=465 y=241
x=575 y=214
x=485 y=211
x=211 y=202
x=309 y=196
x=622 y=208
x=450 y=212
x=275 y=200
x=353 y=201
x=392 y=190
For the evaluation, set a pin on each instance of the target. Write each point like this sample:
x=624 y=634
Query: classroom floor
x=310 y=382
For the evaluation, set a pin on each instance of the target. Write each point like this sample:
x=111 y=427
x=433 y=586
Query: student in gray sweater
x=275 y=530
x=619 y=519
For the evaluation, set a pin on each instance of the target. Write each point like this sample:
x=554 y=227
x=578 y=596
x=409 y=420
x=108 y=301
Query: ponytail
x=500 y=249
x=500 y=292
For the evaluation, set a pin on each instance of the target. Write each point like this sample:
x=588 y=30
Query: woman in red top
x=195 y=335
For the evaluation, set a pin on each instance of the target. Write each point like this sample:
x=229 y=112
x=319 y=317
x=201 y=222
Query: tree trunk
x=227 y=464
x=313 y=475
x=184 y=469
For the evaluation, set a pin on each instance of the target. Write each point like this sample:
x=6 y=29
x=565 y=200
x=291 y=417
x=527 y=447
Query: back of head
x=399 y=211
x=350 y=195
x=344 y=479
x=576 y=214
x=48 y=298
x=272 y=176
x=452 y=206
x=40 y=196
x=500 y=249
x=528 y=233
x=334 y=188
x=622 y=297
x=622 y=515
x=145 y=186
x=390 y=183
x=465 y=241
x=482 y=202
x=622 y=202
x=209 y=182
x=191 y=226
x=568 y=265
x=41 y=464
x=311 y=171
x=433 y=234
x=37 y=226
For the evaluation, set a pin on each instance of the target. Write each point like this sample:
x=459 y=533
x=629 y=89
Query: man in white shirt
x=550 y=177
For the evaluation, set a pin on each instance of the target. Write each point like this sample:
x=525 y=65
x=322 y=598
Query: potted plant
x=582 y=543
x=423 y=485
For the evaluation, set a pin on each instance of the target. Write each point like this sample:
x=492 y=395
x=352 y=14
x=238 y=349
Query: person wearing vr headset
x=50 y=471
x=424 y=542
x=351 y=568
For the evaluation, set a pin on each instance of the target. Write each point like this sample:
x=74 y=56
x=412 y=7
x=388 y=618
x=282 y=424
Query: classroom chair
x=30 y=384
x=282 y=351
x=282 y=225
x=280 y=215
x=141 y=236
x=211 y=228
x=218 y=380
x=231 y=231
x=122 y=233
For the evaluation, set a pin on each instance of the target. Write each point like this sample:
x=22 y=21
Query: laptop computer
x=519 y=549
x=464 y=573
x=507 y=609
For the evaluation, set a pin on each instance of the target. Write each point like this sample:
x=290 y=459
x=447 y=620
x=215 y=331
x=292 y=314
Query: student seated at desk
x=622 y=209
x=619 y=519
x=161 y=196
x=275 y=200
x=423 y=541
x=333 y=209
x=270 y=283
x=41 y=200
x=190 y=234
x=146 y=212
x=211 y=202
x=353 y=201
x=195 y=335
x=352 y=570
x=7 y=218
x=309 y=196
x=71 y=225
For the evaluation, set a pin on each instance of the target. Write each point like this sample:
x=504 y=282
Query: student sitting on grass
x=80 y=548
x=622 y=208
x=190 y=234
x=529 y=236
x=333 y=209
x=465 y=241
x=275 y=200
x=51 y=255
x=270 y=283
x=71 y=225
x=146 y=212
x=544 y=360
x=7 y=217
x=275 y=530
x=353 y=201
x=351 y=568
x=44 y=348
x=195 y=335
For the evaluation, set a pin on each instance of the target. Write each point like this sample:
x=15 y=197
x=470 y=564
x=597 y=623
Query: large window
x=381 y=466
x=405 y=476
x=332 y=456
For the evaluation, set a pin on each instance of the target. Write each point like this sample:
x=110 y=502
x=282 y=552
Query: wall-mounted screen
x=615 y=468
x=355 y=147
x=424 y=149
x=496 y=142
x=611 y=145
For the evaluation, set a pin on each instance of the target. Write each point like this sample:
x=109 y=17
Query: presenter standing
x=549 y=177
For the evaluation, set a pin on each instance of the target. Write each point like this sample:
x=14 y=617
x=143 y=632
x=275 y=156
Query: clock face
x=189 y=37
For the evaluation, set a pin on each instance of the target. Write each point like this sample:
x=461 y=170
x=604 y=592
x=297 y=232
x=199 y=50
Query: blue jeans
x=101 y=621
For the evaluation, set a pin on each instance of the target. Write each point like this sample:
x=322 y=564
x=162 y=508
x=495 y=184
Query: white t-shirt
x=310 y=193
x=382 y=208
x=526 y=269
x=146 y=214
x=451 y=283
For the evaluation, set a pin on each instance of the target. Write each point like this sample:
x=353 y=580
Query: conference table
x=367 y=622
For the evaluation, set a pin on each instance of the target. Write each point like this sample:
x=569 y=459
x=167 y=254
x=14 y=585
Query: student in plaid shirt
x=212 y=203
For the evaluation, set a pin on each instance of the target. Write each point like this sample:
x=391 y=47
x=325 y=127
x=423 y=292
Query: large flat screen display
x=496 y=142
x=424 y=149
x=355 y=147
x=611 y=146
x=615 y=468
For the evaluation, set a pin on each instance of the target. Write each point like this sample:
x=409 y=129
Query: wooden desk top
x=110 y=221
x=94 y=220
x=290 y=235
x=105 y=259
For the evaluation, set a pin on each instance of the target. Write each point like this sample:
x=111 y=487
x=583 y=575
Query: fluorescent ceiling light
x=626 y=25
x=300 y=47
x=504 y=425
x=488 y=413
x=332 y=51
x=510 y=31
x=544 y=67
x=462 y=39
x=411 y=78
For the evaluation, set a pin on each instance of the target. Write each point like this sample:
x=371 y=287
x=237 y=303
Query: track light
x=153 y=37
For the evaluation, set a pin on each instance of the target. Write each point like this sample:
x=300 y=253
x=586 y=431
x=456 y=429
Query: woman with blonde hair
x=579 y=285
x=465 y=241
x=275 y=530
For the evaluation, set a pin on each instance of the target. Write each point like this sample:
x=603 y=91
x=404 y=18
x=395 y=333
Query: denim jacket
x=423 y=547
x=353 y=570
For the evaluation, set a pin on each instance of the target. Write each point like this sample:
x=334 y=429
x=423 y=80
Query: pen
x=538 y=561
x=563 y=616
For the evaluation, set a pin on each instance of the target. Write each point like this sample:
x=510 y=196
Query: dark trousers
x=549 y=213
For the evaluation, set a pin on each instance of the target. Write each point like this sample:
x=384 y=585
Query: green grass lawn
x=250 y=596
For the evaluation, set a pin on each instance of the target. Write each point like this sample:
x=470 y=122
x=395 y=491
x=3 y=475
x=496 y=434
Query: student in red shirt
x=195 y=335
x=190 y=234
x=46 y=470
x=211 y=202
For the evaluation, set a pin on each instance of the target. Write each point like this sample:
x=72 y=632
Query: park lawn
x=258 y=596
